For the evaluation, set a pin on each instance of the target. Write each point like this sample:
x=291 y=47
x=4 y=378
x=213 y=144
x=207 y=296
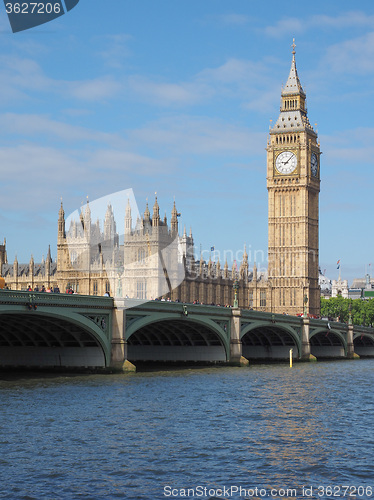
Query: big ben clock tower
x=293 y=182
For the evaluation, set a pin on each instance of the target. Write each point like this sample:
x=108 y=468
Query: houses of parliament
x=153 y=260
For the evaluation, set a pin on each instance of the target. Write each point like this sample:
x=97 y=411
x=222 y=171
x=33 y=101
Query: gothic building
x=153 y=260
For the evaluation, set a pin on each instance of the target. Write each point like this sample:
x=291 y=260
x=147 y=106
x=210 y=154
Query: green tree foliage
x=337 y=307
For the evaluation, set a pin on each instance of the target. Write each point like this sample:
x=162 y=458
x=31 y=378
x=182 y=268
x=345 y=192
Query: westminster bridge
x=76 y=331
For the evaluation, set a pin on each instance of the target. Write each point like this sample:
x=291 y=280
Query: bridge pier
x=236 y=356
x=350 y=345
x=305 y=344
x=118 y=360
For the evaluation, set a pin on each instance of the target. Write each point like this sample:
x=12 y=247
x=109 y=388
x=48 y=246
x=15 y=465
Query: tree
x=338 y=307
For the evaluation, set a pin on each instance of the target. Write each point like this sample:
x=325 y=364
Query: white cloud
x=166 y=94
x=97 y=89
x=286 y=26
x=115 y=49
x=251 y=83
x=241 y=79
x=44 y=173
x=20 y=77
x=345 y=20
x=24 y=79
x=292 y=26
x=352 y=56
x=29 y=125
x=198 y=135
x=348 y=156
x=235 y=71
x=235 y=19
x=113 y=161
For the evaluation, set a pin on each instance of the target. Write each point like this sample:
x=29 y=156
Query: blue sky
x=176 y=96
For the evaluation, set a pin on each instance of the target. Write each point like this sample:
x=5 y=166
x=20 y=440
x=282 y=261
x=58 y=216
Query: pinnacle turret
x=61 y=213
x=226 y=270
x=87 y=213
x=254 y=275
x=147 y=213
x=128 y=208
x=87 y=221
x=61 y=222
x=49 y=258
x=174 y=219
x=156 y=214
x=128 y=218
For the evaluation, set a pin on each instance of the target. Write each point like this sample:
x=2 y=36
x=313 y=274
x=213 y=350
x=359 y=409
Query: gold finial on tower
x=293 y=46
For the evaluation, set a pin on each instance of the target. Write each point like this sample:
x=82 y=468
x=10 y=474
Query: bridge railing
x=57 y=299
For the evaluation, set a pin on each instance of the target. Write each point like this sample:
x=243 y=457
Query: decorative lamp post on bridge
x=119 y=269
x=305 y=305
x=235 y=287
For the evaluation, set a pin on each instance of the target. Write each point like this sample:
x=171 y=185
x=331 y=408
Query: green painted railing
x=15 y=297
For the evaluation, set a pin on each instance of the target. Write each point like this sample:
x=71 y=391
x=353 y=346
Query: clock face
x=314 y=164
x=286 y=162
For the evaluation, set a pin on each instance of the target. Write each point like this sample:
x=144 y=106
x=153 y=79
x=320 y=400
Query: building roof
x=293 y=85
x=292 y=121
x=24 y=269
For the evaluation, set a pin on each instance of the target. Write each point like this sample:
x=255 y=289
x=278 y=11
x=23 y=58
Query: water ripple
x=103 y=437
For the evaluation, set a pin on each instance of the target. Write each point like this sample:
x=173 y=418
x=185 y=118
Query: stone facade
x=340 y=288
x=153 y=261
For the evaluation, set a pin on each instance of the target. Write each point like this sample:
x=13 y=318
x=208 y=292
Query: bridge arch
x=364 y=344
x=51 y=339
x=170 y=337
x=269 y=340
x=328 y=343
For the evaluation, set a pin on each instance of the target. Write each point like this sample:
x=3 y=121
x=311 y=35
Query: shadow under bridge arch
x=52 y=340
x=265 y=341
x=173 y=339
x=327 y=343
x=364 y=344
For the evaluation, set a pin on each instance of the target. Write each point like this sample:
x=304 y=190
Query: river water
x=170 y=434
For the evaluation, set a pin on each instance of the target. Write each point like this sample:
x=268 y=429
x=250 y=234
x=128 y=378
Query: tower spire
x=293 y=112
x=293 y=85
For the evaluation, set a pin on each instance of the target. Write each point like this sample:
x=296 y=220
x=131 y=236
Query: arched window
x=141 y=255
